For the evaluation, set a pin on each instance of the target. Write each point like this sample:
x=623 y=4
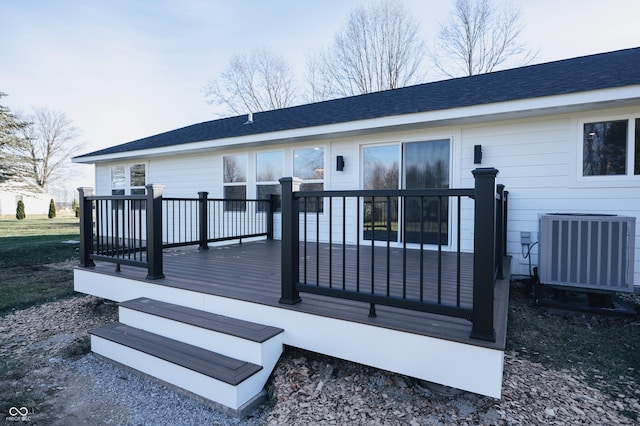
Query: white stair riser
x=231 y=396
x=225 y=344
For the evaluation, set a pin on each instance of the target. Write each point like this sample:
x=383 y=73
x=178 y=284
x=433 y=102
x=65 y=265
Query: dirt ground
x=48 y=377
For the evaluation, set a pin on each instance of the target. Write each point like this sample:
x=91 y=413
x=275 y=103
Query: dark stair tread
x=219 y=323
x=212 y=364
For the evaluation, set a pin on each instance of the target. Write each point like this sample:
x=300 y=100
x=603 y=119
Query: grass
x=602 y=350
x=26 y=248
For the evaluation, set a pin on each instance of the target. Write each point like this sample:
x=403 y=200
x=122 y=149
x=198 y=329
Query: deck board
x=212 y=364
x=246 y=330
x=251 y=272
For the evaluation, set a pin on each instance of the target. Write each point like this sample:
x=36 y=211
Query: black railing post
x=273 y=198
x=154 y=231
x=203 y=220
x=499 y=230
x=290 y=241
x=505 y=216
x=484 y=254
x=86 y=226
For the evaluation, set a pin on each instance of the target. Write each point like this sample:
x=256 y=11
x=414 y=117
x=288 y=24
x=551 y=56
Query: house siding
x=33 y=204
x=540 y=166
x=538 y=160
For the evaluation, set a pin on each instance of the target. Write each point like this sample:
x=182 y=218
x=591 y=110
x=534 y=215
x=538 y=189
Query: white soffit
x=575 y=102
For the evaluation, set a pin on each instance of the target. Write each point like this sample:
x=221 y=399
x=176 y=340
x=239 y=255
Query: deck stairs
x=224 y=360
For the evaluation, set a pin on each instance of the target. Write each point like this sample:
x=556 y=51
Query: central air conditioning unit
x=590 y=252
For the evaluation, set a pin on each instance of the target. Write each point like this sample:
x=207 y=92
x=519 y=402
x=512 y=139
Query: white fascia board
x=477 y=113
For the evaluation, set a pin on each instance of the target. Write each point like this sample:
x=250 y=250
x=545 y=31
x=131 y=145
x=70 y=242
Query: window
x=132 y=183
x=137 y=179
x=308 y=165
x=117 y=180
x=235 y=182
x=128 y=179
x=268 y=171
x=611 y=148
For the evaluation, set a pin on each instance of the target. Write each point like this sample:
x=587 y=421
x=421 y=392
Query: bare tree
x=257 y=82
x=12 y=165
x=378 y=49
x=318 y=85
x=47 y=144
x=480 y=38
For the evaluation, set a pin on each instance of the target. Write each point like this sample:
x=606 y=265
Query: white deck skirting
x=462 y=366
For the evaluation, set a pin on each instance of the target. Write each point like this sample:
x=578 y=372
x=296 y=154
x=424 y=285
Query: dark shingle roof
x=601 y=71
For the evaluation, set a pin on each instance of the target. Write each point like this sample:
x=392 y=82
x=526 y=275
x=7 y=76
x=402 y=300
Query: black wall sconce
x=339 y=163
x=477 y=154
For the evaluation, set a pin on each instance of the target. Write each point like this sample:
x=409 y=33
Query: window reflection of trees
x=604 y=148
x=425 y=219
x=268 y=166
x=138 y=175
x=235 y=168
x=308 y=164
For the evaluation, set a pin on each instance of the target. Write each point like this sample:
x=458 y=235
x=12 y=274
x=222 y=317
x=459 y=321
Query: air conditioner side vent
x=587 y=251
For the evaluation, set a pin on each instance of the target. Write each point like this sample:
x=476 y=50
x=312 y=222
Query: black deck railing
x=134 y=229
x=427 y=231
x=202 y=220
x=325 y=225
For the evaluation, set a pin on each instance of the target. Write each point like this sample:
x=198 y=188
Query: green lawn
x=27 y=249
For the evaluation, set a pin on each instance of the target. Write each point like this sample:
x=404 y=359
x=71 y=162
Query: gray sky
x=124 y=69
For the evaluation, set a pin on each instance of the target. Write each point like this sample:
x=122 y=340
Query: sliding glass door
x=413 y=165
x=426 y=165
x=381 y=171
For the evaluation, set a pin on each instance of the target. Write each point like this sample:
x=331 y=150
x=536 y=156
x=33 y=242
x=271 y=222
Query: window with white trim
x=268 y=171
x=308 y=165
x=128 y=179
x=137 y=179
x=611 y=148
x=235 y=182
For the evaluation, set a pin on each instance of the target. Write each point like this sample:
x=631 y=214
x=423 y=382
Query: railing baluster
x=305 y=238
x=344 y=242
x=330 y=241
x=404 y=247
x=373 y=237
x=388 y=245
x=358 y=243
x=459 y=232
x=317 y=241
x=372 y=307
x=439 y=235
x=421 y=248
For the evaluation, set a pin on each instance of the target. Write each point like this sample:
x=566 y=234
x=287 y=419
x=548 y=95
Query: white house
x=564 y=136
x=36 y=201
x=534 y=124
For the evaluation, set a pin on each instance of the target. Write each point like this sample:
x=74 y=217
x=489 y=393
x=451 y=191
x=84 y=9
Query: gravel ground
x=45 y=368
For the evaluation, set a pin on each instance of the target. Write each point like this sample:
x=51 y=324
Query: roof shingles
x=601 y=71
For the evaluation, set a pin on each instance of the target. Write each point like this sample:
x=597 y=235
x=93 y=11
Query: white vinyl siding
x=539 y=160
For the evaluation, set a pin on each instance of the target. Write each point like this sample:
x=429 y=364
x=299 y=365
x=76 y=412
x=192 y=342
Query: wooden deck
x=251 y=272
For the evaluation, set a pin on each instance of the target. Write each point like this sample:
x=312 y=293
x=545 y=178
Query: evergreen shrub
x=52 y=209
x=20 y=213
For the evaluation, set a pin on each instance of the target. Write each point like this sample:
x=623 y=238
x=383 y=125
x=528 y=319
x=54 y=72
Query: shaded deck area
x=252 y=272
